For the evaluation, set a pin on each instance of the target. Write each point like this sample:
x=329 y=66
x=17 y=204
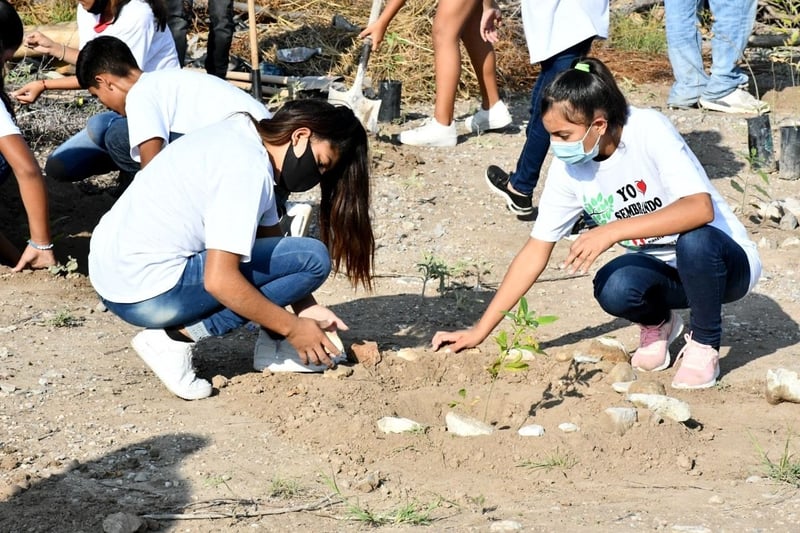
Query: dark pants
x=712 y=270
x=537 y=140
x=220 y=34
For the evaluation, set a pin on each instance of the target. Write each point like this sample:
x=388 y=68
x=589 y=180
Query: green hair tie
x=583 y=67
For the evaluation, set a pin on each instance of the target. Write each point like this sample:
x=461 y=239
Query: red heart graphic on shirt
x=641 y=185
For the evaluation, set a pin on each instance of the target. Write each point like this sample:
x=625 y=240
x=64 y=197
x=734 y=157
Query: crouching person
x=192 y=248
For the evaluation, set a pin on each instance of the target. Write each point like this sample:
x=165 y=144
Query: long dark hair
x=344 y=220
x=583 y=93
x=10 y=39
x=159 y=8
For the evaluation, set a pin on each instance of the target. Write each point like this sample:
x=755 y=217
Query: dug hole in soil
x=92 y=440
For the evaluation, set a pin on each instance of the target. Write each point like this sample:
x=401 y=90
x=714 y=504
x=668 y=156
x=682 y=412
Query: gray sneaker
x=738 y=101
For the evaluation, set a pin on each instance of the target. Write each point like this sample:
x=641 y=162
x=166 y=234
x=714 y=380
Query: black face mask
x=299 y=174
x=98 y=7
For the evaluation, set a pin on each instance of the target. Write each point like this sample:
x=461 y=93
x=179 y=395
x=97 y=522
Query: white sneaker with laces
x=171 y=361
x=495 y=118
x=278 y=355
x=431 y=133
x=295 y=222
x=738 y=101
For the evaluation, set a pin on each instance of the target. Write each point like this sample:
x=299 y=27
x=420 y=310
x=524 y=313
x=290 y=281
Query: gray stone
x=465 y=426
x=123 y=523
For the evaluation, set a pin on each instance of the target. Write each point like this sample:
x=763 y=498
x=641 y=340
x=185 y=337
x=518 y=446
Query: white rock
x=663 y=406
x=622 y=386
x=394 y=424
x=505 y=525
x=753 y=479
x=774 y=211
x=407 y=354
x=782 y=386
x=621 y=372
x=619 y=419
x=7 y=387
x=465 y=426
x=524 y=355
x=788 y=222
x=568 y=427
x=581 y=358
x=792 y=205
x=531 y=430
x=789 y=242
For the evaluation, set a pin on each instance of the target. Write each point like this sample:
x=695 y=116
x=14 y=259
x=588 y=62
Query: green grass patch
x=639 y=32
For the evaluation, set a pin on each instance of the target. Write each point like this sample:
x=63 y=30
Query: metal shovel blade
x=365 y=109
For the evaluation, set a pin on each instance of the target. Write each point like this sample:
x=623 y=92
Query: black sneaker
x=497 y=178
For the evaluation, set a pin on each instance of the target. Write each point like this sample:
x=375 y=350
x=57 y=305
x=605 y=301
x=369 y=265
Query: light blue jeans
x=733 y=23
x=84 y=154
x=285 y=270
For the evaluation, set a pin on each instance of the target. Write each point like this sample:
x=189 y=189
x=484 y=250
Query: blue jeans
x=285 y=270
x=84 y=154
x=220 y=34
x=537 y=140
x=5 y=169
x=117 y=143
x=733 y=23
x=711 y=270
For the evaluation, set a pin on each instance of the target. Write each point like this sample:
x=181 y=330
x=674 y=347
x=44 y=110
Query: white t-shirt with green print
x=651 y=168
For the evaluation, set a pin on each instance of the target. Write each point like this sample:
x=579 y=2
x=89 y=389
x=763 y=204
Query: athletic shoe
x=295 y=222
x=738 y=101
x=653 y=352
x=171 y=361
x=431 y=133
x=278 y=355
x=497 y=179
x=495 y=118
x=699 y=366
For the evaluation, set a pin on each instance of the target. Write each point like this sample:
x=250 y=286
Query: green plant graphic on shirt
x=600 y=208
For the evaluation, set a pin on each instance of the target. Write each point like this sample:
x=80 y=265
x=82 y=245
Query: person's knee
x=56 y=169
x=612 y=290
x=318 y=261
x=695 y=244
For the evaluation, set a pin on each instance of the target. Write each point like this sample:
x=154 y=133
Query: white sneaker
x=495 y=118
x=431 y=133
x=738 y=101
x=278 y=355
x=295 y=222
x=171 y=361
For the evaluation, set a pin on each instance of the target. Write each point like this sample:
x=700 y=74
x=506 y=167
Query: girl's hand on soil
x=491 y=20
x=35 y=259
x=376 y=30
x=311 y=343
x=455 y=341
x=41 y=43
x=588 y=247
x=29 y=93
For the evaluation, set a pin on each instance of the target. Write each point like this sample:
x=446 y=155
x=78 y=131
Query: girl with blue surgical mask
x=634 y=174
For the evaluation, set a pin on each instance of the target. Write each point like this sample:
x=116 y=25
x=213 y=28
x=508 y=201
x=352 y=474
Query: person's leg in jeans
x=118 y=145
x=733 y=24
x=285 y=270
x=178 y=15
x=537 y=141
x=713 y=270
x=84 y=154
x=685 y=53
x=220 y=35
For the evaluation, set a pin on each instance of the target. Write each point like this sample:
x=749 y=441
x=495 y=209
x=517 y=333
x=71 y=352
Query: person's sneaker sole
x=514 y=208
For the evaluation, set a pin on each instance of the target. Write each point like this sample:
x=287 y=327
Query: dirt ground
x=90 y=432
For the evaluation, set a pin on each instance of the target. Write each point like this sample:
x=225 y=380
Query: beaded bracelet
x=37 y=246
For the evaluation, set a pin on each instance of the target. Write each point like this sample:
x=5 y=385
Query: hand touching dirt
x=455 y=341
x=29 y=93
x=35 y=259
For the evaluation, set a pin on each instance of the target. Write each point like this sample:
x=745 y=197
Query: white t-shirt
x=182 y=101
x=651 y=168
x=210 y=189
x=7 y=124
x=552 y=26
x=136 y=27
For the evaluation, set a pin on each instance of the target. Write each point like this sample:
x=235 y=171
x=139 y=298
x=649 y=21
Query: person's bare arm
x=377 y=29
x=30 y=92
x=523 y=272
x=149 y=149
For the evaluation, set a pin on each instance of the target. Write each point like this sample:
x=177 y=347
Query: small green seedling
x=70 y=267
x=557 y=459
x=786 y=469
x=431 y=268
x=64 y=319
x=757 y=165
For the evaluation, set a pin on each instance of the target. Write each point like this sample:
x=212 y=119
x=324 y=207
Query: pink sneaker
x=699 y=368
x=653 y=352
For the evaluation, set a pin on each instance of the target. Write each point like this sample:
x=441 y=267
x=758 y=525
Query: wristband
x=63 y=52
x=44 y=85
x=36 y=246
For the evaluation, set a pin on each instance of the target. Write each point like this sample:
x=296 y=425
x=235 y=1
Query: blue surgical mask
x=572 y=153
